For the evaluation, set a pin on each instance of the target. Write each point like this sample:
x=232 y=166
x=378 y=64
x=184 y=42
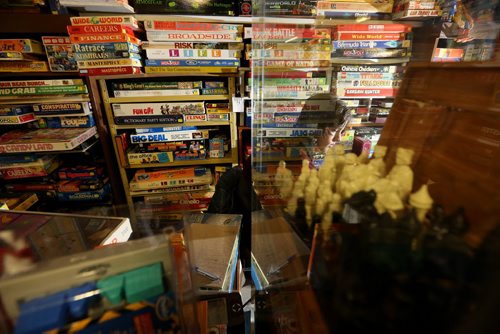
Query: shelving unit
x=169 y=98
x=230 y=158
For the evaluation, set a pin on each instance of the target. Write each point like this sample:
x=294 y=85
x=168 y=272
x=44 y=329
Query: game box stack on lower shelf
x=48 y=133
x=172 y=135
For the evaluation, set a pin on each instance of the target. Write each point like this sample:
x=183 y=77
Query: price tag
x=239 y=104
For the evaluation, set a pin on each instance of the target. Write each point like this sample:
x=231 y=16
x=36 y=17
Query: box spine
x=158 y=109
x=112 y=70
x=41 y=83
x=156 y=92
x=168 y=136
x=164 y=119
x=177 y=62
x=386 y=27
x=181 y=36
x=105 y=38
x=106 y=55
x=90 y=64
x=128 y=21
x=190 y=69
x=191 y=26
x=43 y=90
x=99 y=29
x=192 y=54
x=353 y=36
x=146 y=45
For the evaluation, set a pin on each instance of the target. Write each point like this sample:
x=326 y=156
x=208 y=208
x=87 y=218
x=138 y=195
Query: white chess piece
x=283 y=180
x=422 y=202
x=298 y=192
x=286 y=189
x=401 y=173
x=324 y=197
x=377 y=162
x=363 y=157
x=393 y=204
x=325 y=170
x=336 y=204
x=339 y=156
x=345 y=177
x=309 y=213
x=305 y=171
x=280 y=174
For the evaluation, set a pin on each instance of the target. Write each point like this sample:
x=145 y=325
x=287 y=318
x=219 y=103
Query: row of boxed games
x=99 y=49
x=164 y=145
x=49 y=115
x=169 y=88
x=170 y=112
x=49 y=178
x=380 y=10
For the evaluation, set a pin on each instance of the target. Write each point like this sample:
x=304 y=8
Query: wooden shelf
x=317 y=21
x=193 y=98
x=360 y=125
x=142 y=126
x=162 y=75
x=39 y=75
x=277 y=159
x=228 y=159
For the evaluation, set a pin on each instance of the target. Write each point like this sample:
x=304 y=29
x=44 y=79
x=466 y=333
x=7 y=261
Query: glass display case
x=381 y=163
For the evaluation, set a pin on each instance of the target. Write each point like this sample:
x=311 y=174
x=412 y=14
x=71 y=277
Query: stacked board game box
x=159 y=113
x=107 y=6
x=358 y=84
x=292 y=95
x=60 y=54
x=82 y=184
x=192 y=46
x=157 y=212
x=355 y=9
x=169 y=144
x=415 y=9
x=288 y=8
x=106 y=45
x=171 y=88
x=210 y=7
x=61 y=121
x=171 y=180
x=22 y=55
x=16 y=115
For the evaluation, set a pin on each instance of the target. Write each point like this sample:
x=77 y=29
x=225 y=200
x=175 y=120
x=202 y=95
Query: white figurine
x=363 y=157
x=422 y=202
x=389 y=202
x=324 y=197
x=401 y=173
x=325 y=170
x=336 y=204
x=339 y=150
x=309 y=214
x=298 y=192
x=286 y=189
x=305 y=171
x=345 y=177
x=377 y=162
x=283 y=179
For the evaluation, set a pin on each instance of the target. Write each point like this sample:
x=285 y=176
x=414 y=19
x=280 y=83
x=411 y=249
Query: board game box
x=46 y=140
